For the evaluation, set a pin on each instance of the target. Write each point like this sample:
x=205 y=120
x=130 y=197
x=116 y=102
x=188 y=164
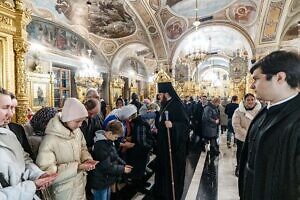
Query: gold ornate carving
x=115 y=89
x=13 y=21
x=19 y=5
x=162 y=76
x=20 y=48
x=188 y=88
x=83 y=83
x=6 y=5
x=118 y=83
x=5 y=20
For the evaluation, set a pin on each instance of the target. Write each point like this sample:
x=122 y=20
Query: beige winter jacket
x=61 y=151
x=242 y=118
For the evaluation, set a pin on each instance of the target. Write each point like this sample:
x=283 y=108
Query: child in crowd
x=110 y=166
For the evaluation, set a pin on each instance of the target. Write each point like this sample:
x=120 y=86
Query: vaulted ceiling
x=158 y=31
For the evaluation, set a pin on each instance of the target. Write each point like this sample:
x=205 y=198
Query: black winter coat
x=89 y=128
x=209 y=125
x=276 y=170
x=109 y=168
x=19 y=131
x=138 y=155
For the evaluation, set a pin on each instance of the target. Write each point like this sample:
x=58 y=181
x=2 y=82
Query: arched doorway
x=210 y=50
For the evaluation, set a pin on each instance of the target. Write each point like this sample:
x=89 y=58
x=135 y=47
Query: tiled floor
x=208 y=178
x=227 y=181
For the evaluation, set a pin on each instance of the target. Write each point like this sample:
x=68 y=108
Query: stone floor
x=207 y=178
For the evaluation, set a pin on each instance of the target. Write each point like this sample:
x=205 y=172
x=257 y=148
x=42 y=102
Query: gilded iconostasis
x=84 y=43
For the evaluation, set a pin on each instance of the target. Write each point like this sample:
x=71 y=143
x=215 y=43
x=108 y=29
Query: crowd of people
x=84 y=152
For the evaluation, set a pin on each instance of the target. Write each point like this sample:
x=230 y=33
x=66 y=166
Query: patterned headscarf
x=41 y=118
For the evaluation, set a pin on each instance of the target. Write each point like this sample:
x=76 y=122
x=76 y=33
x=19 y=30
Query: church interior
x=51 y=50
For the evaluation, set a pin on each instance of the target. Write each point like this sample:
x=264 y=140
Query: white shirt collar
x=282 y=101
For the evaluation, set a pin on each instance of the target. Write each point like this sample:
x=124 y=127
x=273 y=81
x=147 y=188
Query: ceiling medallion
x=108 y=47
x=152 y=29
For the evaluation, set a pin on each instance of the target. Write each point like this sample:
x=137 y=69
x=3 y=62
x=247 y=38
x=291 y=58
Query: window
x=62 y=85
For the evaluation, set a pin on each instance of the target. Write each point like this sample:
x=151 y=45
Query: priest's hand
x=168 y=124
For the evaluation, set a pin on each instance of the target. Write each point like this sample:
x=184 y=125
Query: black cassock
x=179 y=136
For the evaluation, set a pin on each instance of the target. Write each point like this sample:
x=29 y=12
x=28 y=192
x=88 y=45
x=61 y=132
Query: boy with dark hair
x=110 y=166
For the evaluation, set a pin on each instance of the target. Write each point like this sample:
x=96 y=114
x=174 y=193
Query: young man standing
x=270 y=160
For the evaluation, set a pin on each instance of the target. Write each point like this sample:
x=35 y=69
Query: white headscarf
x=125 y=112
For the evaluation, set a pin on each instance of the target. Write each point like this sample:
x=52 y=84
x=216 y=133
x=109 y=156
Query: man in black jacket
x=92 y=123
x=270 y=160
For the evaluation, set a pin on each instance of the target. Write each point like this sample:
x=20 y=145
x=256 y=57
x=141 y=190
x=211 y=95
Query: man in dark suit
x=270 y=160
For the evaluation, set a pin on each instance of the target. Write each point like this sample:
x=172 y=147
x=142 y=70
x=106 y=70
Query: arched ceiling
x=214 y=38
x=161 y=25
x=205 y=7
x=133 y=51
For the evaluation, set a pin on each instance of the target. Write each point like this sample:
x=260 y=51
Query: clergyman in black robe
x=179 y=127
x=270 y=159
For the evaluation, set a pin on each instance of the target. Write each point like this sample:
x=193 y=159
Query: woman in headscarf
x=35 y=128
x=63 y=150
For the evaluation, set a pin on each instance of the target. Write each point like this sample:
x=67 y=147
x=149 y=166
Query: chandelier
x=196 y=56
x=88 y=76
x=196 y=23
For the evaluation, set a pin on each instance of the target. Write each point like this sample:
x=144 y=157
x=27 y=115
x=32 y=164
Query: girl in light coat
x=63 y=150
x=241 y=120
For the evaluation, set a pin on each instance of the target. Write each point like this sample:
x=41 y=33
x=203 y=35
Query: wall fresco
x=52 y=36
x=105 y=18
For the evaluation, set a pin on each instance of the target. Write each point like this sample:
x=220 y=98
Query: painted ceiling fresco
x=243 y=12
x=108 y=18
x=206 y=7
x=292 y=33
x=105 y=18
